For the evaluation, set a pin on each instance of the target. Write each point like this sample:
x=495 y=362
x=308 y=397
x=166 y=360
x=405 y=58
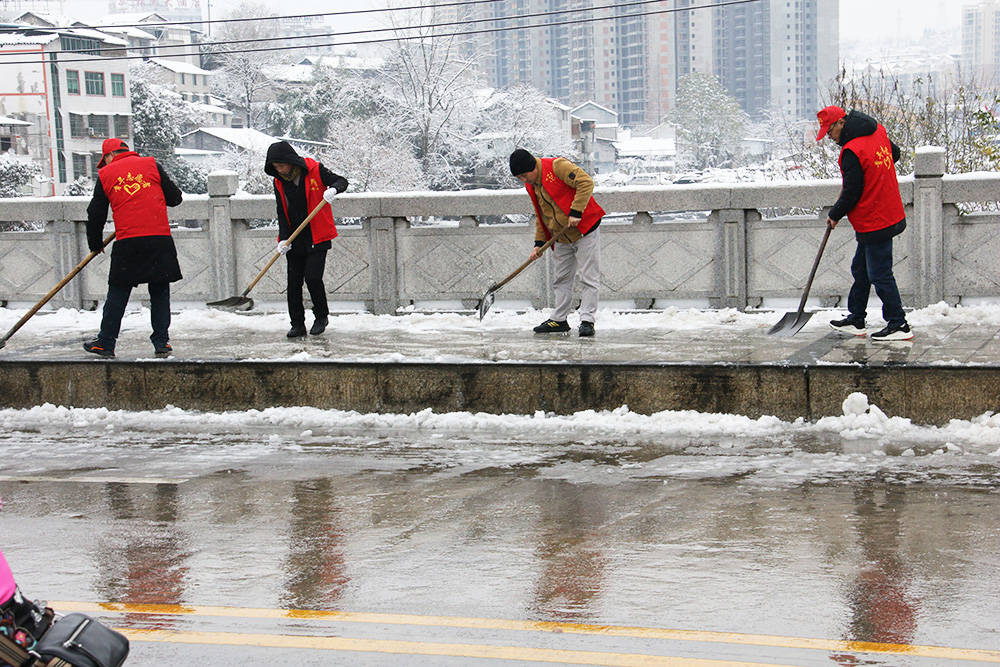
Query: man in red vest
x=301 y=184
x=562 y=195
x=138 y=192
x=870 y=200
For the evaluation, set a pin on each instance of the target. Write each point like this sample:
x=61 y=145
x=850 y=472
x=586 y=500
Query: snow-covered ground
x=862 y=441
x=67 y=322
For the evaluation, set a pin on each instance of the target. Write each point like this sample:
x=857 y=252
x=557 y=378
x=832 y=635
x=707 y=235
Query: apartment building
x=72 y=98
x=771 y=53
x=981 y=42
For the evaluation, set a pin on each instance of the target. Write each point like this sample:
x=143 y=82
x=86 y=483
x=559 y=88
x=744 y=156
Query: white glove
x=329 y=194
x=283 y=247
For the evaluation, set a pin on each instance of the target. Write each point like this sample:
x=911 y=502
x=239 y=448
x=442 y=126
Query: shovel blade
x=487 y=302
x=790 y=324
x=232 y=303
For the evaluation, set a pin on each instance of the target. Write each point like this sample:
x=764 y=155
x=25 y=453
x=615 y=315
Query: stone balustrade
x=739 y=245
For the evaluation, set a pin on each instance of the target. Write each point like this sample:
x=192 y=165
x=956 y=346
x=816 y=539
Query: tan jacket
x=552 y=216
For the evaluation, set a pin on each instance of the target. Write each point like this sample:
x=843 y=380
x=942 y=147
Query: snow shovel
x=487 y=301
x=790 y=324
x=55 y=290
x=243 y=302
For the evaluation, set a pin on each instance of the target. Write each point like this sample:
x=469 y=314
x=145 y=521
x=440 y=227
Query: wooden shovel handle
x=291 y=238
x=62 y=283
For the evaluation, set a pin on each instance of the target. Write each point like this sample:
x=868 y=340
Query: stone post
x=731 y=260
x=928 y=225
x=222 y=185
x=68 y=253
x=382 y=263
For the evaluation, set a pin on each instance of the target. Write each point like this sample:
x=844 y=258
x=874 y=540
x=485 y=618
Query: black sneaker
x=586 y=329
x=893 y=332
x=849 y=325
x=96 y=347
x=319 y=326
x=296 y=331
x=162 y=351
x=552 y=326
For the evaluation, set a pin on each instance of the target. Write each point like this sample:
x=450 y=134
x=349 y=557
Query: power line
x=259 y=40
x=277 y=18
x=408 y=38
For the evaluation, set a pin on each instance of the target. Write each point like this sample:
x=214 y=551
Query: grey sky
x=870 y=21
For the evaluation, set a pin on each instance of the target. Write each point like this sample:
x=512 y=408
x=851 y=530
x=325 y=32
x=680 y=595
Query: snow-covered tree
x=241 y=79
x=435 y=89
x=516 y=117
x=710 y=123
x=305 y=114
x=15 y=174
x=81 y=187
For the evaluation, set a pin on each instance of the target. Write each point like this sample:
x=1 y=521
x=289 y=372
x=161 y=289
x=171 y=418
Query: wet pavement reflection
x=695 y=535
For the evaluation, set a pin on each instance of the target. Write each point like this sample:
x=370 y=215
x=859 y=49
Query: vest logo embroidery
x=883 y=158
x=130 y=184
x=550 y=177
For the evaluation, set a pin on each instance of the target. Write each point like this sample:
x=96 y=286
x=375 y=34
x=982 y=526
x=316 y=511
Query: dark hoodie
x=295 y=193
x=858 y=124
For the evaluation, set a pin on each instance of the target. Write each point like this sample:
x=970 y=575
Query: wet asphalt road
x=441 y=550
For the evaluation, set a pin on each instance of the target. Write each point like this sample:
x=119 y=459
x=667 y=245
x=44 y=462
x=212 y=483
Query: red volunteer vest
x=322 y=226
x=132 y=184
x=880 y=205
x=563 y=196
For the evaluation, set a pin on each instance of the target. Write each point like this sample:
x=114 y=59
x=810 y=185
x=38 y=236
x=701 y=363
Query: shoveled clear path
x=255 y=337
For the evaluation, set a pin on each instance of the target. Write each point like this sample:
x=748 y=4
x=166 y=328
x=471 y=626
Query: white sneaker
x=901 y=332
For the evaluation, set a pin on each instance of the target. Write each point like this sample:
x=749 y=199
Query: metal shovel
x=62 y=283
x=790 y=324
x=243 y=302
x=487 y=301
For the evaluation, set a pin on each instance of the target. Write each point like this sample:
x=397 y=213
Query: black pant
x=307 y=267
x=114 y=309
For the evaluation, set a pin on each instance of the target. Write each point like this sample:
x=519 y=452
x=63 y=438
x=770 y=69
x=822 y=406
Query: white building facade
x=72 y=98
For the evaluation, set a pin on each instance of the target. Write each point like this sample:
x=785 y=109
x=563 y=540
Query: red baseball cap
x=827 y=117
x=110 y=146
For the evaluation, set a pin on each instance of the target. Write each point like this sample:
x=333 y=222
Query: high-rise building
x=767 y=54
x=771 y=54
x=981 y=42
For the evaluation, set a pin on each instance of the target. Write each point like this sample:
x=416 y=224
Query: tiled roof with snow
x=179 y=67
x=244 y=137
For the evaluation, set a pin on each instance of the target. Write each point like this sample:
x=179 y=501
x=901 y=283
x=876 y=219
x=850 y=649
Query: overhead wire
x=257 y=40
x=399 y=38
x=241 y=19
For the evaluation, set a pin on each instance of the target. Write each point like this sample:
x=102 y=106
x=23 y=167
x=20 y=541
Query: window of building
x=121 y=126
x=118 y=85
x=182 y=77
x=98 y=125
x=72 y=82
x=94 y=82
x=79 y=165
x=76 y=125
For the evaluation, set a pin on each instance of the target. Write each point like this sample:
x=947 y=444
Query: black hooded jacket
x=858 y=124
x=295 y=194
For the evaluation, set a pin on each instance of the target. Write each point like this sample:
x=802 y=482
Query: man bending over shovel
x=561 y=193
x=870 y=200
x=300 y=184
x=139 y=192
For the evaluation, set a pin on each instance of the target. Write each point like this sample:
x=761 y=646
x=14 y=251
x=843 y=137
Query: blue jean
x=872 y=266
x=114 y=310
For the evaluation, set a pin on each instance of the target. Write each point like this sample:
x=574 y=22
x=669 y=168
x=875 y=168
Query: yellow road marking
x=428 y=648
x=942 y=652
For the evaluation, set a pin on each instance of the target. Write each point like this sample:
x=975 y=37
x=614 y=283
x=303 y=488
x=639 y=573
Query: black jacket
x=295 y=194
x=858 y=124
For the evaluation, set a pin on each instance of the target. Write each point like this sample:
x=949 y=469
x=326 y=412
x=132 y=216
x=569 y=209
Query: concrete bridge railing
x=739 y=247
